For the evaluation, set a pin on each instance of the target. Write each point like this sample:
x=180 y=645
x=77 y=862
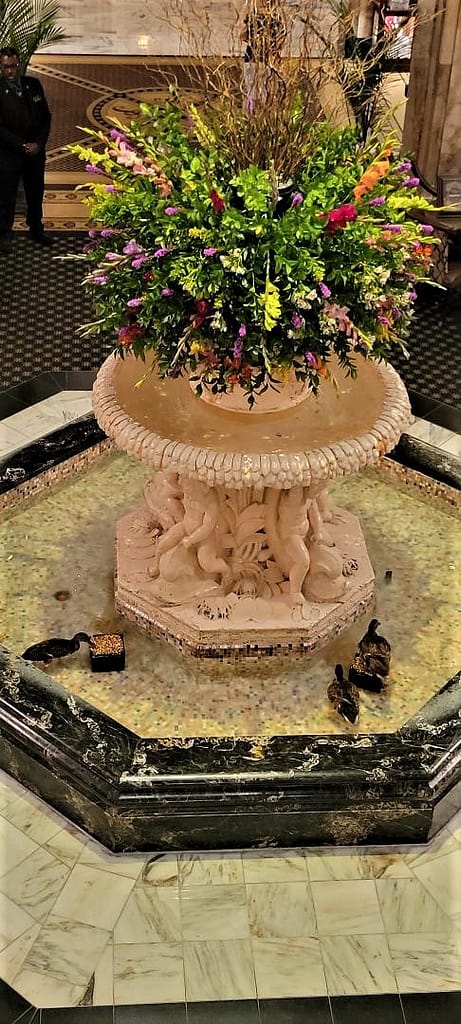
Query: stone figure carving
x=196 y=533
x=287 y=525
x=163 y=497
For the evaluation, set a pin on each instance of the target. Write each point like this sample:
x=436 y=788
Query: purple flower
x=242 y=331
x=412 y=295
x=377 y=201
x=123 y=331
x=310 y=358
x=395 y=228
x=410 y=182
x=171 y=210
x=134 y=303
x=237 y=348
x=107 y=232
x=210 y=251
x=138 y=262
x=92 y=169
x=93 y=233
x=324 y=290
x=112 y=256
x=167 y=292
x=100 y=279
x=117 y=136
x=297 y=321
x=298 y=198
x=110 y=188
x=384 y=320
x=427 y=229
x=404 y=168
x=159 y=253
x=132 y=248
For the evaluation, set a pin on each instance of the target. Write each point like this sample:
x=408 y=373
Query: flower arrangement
x=228 y=273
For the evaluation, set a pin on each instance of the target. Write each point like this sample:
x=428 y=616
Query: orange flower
x=369 y=178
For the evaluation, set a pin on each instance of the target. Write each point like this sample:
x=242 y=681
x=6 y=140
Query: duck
x=55 y=647
x=371 y=662
x=344 y=696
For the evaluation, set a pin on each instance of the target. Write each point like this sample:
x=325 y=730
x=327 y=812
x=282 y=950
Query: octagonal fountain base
x=214 y=624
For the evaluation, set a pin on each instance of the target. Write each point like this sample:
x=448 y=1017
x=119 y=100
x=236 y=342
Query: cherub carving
x=196 y=533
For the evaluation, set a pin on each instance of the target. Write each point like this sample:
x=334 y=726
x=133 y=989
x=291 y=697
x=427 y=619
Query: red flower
x=217 y=201
x=203 y=309
x=340 y=217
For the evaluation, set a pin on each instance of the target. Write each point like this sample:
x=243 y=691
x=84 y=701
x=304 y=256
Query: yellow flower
x=197 y=232
x=270 y=300
x=196 y=348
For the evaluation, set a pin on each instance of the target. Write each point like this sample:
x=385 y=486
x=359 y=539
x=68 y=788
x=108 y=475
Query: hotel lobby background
x=315 y=936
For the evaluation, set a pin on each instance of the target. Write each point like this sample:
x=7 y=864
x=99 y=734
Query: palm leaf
x=29 y=25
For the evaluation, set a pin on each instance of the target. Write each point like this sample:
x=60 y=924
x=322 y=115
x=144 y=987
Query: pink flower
x=310 y=358
x=138 y=262
x=160 y=252
x=297 y=321
x=395 y=228
x=427 y=229
x=117 y=136
x=107 y=232
x=384 y=320
x=377 y=201
x=112 y=256
x=298 y=198
x=132 y=248
x=324 y=290
x=410 y=182
x=242 y=331
x=110 y=188
x=171 y=210
x=167 y=292
x=412 y=295
x=237 y=348
x=210 y=251
x=100 y=279
x=339 y=217
x=134 y=303
x=93 y=233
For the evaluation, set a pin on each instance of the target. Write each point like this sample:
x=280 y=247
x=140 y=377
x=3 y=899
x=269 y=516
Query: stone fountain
x=235 y=549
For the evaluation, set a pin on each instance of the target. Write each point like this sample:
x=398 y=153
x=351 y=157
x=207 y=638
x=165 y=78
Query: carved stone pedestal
x=220 y=572
x=235 y=550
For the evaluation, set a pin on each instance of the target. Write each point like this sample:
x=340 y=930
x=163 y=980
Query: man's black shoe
x=41 y=239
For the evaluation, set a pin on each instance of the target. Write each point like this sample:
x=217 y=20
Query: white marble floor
x=160 y=928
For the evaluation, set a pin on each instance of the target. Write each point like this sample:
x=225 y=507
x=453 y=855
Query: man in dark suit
x=24 y=128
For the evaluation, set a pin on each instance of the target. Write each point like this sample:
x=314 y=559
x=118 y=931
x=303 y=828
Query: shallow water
x=63 y=540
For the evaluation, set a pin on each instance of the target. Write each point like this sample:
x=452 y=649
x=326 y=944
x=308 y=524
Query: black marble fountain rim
x=132 y=792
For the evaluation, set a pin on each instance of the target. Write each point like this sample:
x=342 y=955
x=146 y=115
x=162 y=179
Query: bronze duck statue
x=344 y=696
x=371 y=661
x=55 y=647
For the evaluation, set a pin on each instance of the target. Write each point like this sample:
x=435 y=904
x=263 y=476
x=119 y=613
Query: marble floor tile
x=210 y=868
x=347 y=908
x=103 y=988
x=280 y=909
x=161 y=870
x=12 y=956
x=357 y=965
x=288 y=967
x=51 y=413
x=60 y=963
x=343 y=867
x=34 y=819
x=452 y=445
x=10 y=439
x=148 y=973
x=442 y=879
x=10 y=790
x=427 y=963
x=36 y=883
x=151 y=914
x=14 y=846
x=214 y=912
x=407 y=906
x=219 y=970
x=93 y=897
x=443 y=843
x=429 y=432
x=271 y=866
x=96 y=856
x=454 y=826
x=13 y=921
x=66 y=846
